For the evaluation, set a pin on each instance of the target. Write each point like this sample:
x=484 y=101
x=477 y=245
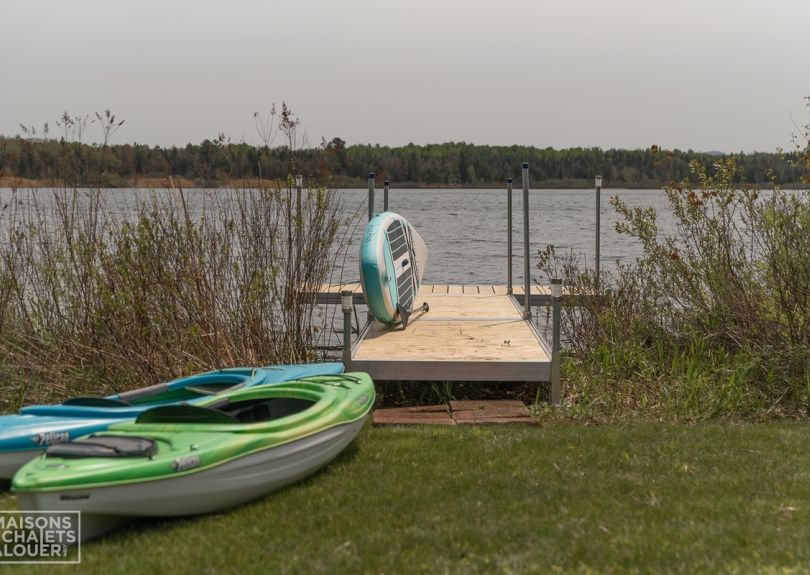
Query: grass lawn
x=645 y=497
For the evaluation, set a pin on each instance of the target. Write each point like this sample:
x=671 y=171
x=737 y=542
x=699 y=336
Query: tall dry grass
x=104 y=290
x=93 y=300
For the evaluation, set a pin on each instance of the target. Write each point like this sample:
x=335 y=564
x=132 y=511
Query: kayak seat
x=104 y=446
x=214 y=389
x=144 y=392
x=253 y=413
x=257 y=410
x=96 y=402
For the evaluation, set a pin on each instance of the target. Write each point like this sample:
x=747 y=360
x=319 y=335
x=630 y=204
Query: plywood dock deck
x=471 y=333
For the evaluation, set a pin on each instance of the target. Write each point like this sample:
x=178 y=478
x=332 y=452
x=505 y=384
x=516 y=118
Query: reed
x=100 y=292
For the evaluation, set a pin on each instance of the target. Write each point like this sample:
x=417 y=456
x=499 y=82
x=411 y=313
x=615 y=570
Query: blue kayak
x=28 y=433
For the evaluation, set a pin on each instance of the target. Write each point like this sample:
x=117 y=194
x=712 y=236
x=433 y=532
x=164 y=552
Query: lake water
x=466 y=230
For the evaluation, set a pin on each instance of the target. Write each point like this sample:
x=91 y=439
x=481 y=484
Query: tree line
x=215 y=162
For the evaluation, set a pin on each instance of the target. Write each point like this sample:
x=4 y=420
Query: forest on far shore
x=217 y=162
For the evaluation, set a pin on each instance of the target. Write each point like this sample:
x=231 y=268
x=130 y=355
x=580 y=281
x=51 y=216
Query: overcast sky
x=702 y=74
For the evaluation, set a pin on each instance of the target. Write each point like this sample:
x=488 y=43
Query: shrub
x=712 y=319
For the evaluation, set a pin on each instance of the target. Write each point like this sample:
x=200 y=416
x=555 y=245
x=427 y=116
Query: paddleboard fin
x=404 y=315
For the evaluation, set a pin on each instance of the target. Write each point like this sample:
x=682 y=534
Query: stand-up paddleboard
x=392 y=260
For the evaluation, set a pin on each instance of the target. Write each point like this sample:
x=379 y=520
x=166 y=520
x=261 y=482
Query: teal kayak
x=29 y=432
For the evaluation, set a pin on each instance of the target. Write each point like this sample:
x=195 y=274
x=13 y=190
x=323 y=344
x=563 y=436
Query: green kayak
x=191 y=459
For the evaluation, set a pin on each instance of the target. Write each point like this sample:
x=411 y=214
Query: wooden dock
x=471 y=333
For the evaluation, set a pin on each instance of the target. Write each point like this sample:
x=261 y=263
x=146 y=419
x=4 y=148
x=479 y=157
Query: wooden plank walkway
x=466 y=336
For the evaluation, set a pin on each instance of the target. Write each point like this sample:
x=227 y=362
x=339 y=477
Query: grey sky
x=701 y=74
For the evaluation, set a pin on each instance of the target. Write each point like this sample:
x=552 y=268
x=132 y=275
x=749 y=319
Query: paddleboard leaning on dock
x=393 y=258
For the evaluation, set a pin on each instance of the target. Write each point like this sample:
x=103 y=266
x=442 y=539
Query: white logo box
x=41 y=528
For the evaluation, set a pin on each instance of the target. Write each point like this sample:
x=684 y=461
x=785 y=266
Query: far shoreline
x=168 y=182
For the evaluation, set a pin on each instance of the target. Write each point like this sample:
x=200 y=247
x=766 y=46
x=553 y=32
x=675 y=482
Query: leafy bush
x=713 y=319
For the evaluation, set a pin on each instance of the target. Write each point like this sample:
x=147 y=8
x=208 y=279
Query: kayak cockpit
x=96 y=402
x=226 y=412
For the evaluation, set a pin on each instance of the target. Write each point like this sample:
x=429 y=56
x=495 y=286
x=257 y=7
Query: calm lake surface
x=465 y=230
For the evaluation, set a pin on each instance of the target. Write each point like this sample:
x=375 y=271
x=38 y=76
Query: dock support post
x=598 y=183
x=347 y=304
x=509 y=236
x=385 y=196
x=527 y=310
x=556 y=297
x=370 y=195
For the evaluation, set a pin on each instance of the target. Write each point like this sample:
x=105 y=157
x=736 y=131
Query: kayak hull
x=11 y=461
x=210 y=491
